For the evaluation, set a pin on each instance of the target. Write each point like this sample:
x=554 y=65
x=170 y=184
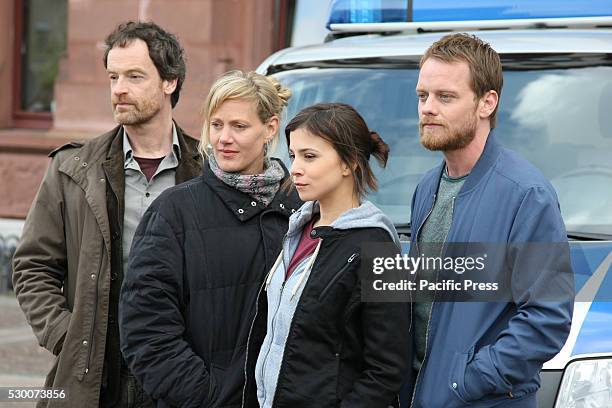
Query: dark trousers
x=131 y=394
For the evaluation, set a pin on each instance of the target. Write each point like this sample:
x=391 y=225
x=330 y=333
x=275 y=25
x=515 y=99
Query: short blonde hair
x=266 y=92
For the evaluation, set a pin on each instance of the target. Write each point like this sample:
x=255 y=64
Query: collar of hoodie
x=367 y=215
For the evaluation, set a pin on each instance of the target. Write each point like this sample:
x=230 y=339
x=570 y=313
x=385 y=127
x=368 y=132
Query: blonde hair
x=269 y=96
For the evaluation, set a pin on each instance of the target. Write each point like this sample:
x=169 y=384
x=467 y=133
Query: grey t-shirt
x=431 y=238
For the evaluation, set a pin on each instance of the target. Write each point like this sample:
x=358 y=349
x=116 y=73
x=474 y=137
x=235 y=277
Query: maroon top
x=305 y=247
x=148 y=166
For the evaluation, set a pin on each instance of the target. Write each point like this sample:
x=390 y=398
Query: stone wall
x=218 y=35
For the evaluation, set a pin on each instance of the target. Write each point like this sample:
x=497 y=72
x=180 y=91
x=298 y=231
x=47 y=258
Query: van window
x=556 y=110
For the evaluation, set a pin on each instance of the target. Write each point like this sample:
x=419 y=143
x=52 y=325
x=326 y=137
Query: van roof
x=401 y=44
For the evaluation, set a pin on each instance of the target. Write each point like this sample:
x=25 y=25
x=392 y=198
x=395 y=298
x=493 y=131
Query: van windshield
x=555 y=110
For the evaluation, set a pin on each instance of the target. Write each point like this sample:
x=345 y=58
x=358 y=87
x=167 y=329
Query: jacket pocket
x=349 y=262
x=55 y=334
x=50 y=379
x=227 y=377
x=456 y=379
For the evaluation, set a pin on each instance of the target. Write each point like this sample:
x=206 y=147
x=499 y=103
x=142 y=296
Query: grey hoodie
x=283 y=296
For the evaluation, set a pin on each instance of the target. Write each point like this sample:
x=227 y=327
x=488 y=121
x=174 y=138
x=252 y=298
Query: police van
x=555 y=110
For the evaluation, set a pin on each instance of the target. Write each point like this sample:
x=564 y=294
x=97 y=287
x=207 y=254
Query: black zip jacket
x=341 y=351
x=187 y=304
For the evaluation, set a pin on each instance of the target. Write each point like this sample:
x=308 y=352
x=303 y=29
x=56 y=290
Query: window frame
x=21 y=118
x=284 y=11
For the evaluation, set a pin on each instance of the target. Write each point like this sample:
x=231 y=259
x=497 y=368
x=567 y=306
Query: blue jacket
x=489 y=354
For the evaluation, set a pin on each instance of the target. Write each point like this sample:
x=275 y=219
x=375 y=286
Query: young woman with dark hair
x=324 y=347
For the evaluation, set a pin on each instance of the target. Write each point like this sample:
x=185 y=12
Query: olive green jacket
x=62 y=266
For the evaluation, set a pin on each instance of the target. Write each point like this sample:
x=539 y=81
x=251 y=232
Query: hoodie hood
x=367 y=215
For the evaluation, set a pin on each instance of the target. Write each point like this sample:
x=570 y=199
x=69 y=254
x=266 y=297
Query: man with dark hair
x=70 y=262
x=472 y=352
x=164 y=50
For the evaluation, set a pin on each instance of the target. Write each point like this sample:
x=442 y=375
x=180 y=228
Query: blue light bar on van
x=367 y=11
x=461 y=10
x=396 y=11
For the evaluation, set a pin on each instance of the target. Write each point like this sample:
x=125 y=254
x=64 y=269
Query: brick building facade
x=217 y=35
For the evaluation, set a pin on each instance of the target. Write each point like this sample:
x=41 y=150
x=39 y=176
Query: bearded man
x=68 y=268
x=470 y=352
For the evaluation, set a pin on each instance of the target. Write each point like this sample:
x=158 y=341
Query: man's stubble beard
x=143 y=111
x=457 y=139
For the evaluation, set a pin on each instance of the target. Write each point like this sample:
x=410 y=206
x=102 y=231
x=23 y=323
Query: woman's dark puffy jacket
x=199 y=258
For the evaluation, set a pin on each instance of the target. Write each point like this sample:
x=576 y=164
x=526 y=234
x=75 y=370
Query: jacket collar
x=109 y=148
x=484 y=163
x=190 y=163
x=79 y=164
x=326 y=232
x=303 y=216
x=83 y=167
x=243 y=206
x=128 y=151
x=189 y=166
x=102 y=158
x=113 y=166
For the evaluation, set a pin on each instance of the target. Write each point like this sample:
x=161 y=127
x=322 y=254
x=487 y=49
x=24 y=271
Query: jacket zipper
x=418 y=232
x=291 y=328
x=338 y=275
x=444 y=244
x=416 y=384
x=280 y=299
x=265 y=360
x=416 y=241
x=93 y=323
x=246 y=359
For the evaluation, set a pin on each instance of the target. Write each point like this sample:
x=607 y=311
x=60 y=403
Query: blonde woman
x=202 y=250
